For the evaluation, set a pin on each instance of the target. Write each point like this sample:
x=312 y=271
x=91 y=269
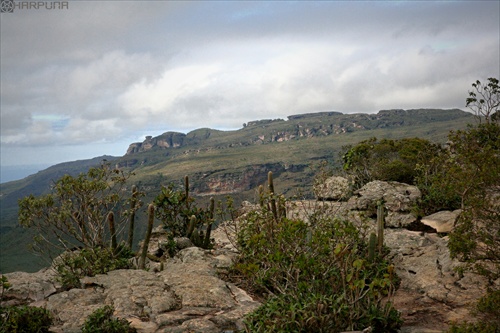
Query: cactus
x=380 y=224
x=133 y=203
x=145 y=244
x=112 y=230
x=211 y=210
x=261 y=196
x=191 y=226
x=372 y=246
x=271 y=194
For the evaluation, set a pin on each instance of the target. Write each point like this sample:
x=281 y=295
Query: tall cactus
x=380 y=224
x=133 y=203
x=271 y=194
x=372 y=247
x=191 y=226
x=145 y=244
x=211 y=213
x=112 y=230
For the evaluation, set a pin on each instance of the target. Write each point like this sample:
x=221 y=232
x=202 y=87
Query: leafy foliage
x=386 y=159
x=181 y=216
x=315 y=274
x=75 y=213
x=25 y=319
x=102 y=321
x=71 y=266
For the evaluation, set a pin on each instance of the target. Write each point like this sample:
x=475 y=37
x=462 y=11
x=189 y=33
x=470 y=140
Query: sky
x=92 y=77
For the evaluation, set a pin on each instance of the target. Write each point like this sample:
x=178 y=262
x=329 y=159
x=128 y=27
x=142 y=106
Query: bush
x=25 y=319
x=102 y=321
x=386 y=159
x=71 y=266
x=315 y=275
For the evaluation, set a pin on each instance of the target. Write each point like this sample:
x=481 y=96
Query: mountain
x=221 y=163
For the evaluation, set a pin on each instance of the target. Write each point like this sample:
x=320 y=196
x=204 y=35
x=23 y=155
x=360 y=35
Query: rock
x=30 y=287
x=442 y=222
x=431 y=293
x=397 y=197
x=188 y=296
x=334 y=188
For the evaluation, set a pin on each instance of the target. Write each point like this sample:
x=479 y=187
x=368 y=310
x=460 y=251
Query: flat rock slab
x=442 y=222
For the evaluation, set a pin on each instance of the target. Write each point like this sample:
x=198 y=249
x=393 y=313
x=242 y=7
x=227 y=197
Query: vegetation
x=25 y=319
x=77 y=219
x=102 y=321
x=71 y=266
x=315 y=274
x=386 y=159
x=181 y=216
x=76 y=213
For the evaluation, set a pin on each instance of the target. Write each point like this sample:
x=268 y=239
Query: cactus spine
x=380 y=224
x=145 y=245
x=133 y=203
x=112 y=230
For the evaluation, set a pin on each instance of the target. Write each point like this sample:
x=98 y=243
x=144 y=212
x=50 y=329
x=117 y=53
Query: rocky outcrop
x=398 y=200
x=166 y=140
x=432 y=293
x=334 y=189
x=187 y=296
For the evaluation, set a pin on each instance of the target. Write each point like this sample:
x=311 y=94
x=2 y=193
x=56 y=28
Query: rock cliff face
x=166 y=140
x=307 y=125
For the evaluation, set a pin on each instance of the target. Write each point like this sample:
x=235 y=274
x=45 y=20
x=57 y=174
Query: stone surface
x=334 y=188
x=442 y=222
x=187 y=296
x=431 y=294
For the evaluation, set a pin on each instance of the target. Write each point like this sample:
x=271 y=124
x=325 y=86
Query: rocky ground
x=188 y=295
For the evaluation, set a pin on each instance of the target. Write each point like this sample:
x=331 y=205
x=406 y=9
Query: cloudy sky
x=96 y=76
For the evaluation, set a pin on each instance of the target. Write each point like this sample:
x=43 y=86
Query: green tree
x=75 y=213
x=386 y=159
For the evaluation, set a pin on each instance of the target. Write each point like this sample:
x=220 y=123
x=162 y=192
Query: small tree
x=484 y=100
x=75 y=213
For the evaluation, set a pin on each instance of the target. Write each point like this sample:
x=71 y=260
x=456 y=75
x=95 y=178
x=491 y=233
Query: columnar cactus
x=372 y=247
x=145 y=244
x=211 y=213
x=271 y=194
x=112 y=230
x=380 y=224
x=133 y=203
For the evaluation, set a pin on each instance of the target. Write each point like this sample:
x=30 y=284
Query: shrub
x=25 y=319
x=75 y=213
x=386 y=159
x=71 y=266
x=315 y=274
x=102 y=321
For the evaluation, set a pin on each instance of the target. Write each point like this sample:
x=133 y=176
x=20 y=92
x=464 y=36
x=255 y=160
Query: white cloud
x=114 y=71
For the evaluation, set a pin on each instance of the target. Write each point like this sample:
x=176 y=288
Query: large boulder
x=334 y=189
x=398 y=200
x=431 y=293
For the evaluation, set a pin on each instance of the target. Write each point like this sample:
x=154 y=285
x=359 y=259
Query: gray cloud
x=103 y=73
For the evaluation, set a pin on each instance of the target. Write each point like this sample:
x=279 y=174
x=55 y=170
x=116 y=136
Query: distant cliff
x=299 y=126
